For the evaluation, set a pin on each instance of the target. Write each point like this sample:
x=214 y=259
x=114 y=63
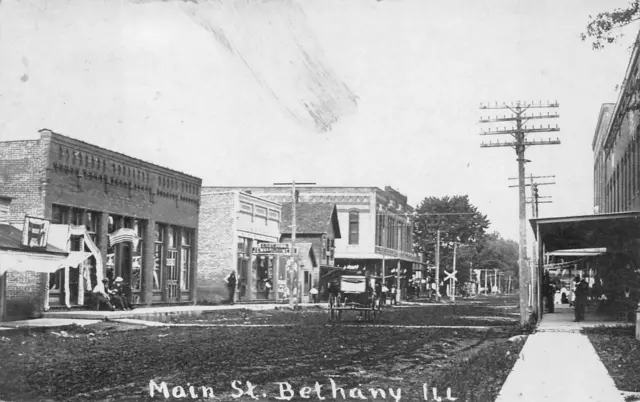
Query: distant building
x=318 y=225
x=142 y=217
x=376 y=226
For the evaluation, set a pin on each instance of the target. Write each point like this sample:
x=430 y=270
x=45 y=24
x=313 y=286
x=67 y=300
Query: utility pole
x=452 y=282
x=519 y=143
x=486 y=280
x=471 y=281
x=438 y=266
x=294 y=201
x=535 y=201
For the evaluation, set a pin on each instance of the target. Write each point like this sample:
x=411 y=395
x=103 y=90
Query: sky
x=221 y=90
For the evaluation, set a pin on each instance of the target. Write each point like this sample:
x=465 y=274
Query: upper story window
x=354 y=227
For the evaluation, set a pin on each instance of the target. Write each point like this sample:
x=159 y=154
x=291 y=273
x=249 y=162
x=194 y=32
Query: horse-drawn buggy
x=353 y=293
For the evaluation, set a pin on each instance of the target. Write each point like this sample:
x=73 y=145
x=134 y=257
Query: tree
x=458 y=222
x=501 y=254
x=605 y=27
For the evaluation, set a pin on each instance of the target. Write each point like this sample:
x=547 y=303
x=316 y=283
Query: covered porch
x=599 y=247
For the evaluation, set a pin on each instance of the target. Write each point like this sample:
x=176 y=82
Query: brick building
x=232 y=225
x=377 y=225
x=142 y=217
x=616 y=147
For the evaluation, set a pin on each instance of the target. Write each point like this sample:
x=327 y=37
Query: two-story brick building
x=376 y=226
x=142 y=217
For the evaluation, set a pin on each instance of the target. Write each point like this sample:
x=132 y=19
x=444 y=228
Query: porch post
x=193 y=267
x=148 y=261
x=103 y=242
x=540 y=271
x=276 y=277
x=3 y=285
x=81 y=267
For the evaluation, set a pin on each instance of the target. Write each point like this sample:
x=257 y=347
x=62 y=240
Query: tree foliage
x=605 y=27
x=458 y=222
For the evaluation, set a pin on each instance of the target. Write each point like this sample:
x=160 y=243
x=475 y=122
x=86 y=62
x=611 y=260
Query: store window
x=136 y=262
x=354 y=227
x=111 y=251
x=157 y=255
x=185 y=259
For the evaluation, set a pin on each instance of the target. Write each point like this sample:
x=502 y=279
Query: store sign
x=35 y=232
x=273 y=248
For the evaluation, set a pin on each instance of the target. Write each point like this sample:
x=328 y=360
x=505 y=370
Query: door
x=172 y=276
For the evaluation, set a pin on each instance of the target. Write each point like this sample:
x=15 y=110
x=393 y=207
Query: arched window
x=354 y=227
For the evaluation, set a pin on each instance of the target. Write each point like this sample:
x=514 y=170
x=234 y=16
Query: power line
x=520 y=142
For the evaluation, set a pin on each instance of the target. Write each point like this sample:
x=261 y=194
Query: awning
x=38 y=262
x=608 y=231
x=24 y=261
x=583 y=252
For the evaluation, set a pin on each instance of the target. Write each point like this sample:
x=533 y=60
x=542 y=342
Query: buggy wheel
x=375 y=313
x=332 y=308
x=339 y=304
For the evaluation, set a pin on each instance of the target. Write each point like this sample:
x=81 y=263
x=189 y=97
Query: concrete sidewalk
x=558 y=363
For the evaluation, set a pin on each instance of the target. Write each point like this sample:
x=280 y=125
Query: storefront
x=137 y=220
x=20 y=254
x=234 y=227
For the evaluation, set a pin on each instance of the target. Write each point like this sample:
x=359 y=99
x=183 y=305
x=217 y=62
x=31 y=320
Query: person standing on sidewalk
x=231 y=286
x=549 y=291
x=582 y=294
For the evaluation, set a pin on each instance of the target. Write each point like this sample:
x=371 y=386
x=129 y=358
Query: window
x=91 y=223
x=158 y=256
x=136 y=263
x=354 y=227
x=59 y=215
x=172 y=237
x=185 y=264
x=157 y=263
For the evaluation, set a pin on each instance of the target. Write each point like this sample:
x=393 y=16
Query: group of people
x=112 y=295
x=580 y=293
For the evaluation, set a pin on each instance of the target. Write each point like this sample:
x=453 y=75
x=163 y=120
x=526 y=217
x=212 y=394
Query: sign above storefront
x=35 y=232
x=273 y=248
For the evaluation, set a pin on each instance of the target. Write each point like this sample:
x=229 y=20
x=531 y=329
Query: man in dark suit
x=582 y=294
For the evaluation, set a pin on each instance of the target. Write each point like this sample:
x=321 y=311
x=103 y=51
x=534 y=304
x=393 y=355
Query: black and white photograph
x=320 y=200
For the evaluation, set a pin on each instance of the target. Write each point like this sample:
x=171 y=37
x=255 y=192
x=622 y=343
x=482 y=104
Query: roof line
x=623 y=87
x=154 y=165
x=584 y=218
